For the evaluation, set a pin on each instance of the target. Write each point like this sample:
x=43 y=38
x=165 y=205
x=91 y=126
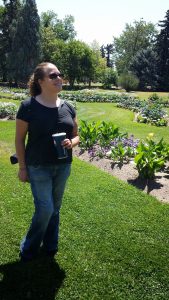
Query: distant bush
x=8 y=110
x=128 y=82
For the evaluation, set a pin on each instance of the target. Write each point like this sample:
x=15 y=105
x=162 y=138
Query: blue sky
x=101 y=20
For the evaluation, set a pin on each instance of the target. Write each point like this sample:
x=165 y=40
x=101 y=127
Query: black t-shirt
x=42 y=123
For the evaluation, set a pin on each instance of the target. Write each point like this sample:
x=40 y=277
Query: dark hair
x=39 y=73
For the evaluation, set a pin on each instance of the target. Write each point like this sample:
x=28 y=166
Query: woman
x=41 y=116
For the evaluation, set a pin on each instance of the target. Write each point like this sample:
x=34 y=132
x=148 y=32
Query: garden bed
x=157 y=187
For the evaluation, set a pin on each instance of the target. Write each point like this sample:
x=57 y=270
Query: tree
x=99 y=62
x=77 y=62
x=162 y=48
x=107 y=52
x=109 y=78
x=48 y=43
x=25 y=52
x=9 y=15
x=63 y=29
x=144 y=66
x=2 y=49
x=135 y=37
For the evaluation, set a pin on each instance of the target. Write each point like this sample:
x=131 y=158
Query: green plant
x=119 y=153
x=109 y=78
x=88 y=133
x=8 y=110
x=128 y=81
x=107 y=131
x=151 y=157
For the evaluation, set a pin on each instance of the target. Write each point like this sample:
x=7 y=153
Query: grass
x=113 y=238
x=146 y=95
x=121 y=117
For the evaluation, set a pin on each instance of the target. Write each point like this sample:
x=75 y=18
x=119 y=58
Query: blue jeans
x=47 y=185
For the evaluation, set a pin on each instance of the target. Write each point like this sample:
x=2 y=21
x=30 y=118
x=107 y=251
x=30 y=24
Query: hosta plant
x=151 y=157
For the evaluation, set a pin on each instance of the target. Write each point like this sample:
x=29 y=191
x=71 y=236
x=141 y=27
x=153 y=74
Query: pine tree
x=9 y=16
x=144 y=66
x=26 y=42
x=162 y=48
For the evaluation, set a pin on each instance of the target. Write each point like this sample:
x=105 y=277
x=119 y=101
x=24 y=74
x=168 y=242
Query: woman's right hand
x=23 y=175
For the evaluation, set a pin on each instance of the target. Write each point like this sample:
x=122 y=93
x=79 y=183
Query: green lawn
x=113 y=238
x=121 y=117
x=146 y=95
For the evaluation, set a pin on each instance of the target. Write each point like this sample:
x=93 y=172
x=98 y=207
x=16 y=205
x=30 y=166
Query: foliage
x=88 y=95
x=151 y=157
x=134 y=38
x=88 y=133
x=48 y=43
x=123 y=149
x=9 y=16
x=62 y=29
x=144 y=66
x=99 y=63
x=25 y=52
x=162 y=48
x=128 y=81
x=109 y=78
x=8 y=110
x=107 y=53
x=78 y=62
x=153 y=113
x=97 y=132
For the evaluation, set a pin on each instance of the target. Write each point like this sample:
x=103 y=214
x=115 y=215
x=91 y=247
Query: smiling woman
x=40 y=117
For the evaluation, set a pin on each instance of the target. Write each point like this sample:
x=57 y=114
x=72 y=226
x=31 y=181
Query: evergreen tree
x=144 y=66
x=102 y=50
x=9 y=14
x=162 y=48
x=25 y=52
x=107 y=52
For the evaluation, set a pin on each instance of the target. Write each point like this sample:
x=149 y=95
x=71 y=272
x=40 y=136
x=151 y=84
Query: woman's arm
x=75 y=140
x=20 y=136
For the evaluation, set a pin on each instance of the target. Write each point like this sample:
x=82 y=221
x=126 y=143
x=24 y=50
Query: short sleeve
x=24 y=111
x=71 y=109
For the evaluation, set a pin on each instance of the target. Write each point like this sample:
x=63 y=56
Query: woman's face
x=51 y=82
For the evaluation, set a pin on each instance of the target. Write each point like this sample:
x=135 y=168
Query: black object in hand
x=13 y=159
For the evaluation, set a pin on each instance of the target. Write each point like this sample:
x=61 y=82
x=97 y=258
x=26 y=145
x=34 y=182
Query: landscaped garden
x=114 y=238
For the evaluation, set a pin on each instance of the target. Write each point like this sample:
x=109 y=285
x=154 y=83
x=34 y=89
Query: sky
x=102 y=20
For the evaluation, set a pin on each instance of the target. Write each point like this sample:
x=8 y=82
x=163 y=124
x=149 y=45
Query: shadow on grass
x=40 y=279
x=145 y=184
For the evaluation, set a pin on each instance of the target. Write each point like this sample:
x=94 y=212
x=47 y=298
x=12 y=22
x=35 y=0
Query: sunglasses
x=54 y=76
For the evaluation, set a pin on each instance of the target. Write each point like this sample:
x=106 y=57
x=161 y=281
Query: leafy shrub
x=128 y=81
x=153 y=113
x=97 y=132
x=109 y=78
x=8 y=110
x=155 y=98
x=151 y=157
x=92 y=96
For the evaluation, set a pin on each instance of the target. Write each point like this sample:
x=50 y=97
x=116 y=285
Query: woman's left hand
x=67 y=144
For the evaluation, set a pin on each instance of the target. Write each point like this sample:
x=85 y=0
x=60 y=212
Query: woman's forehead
x=52 y=68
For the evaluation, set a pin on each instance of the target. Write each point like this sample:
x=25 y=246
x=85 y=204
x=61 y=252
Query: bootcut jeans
x=47 y=185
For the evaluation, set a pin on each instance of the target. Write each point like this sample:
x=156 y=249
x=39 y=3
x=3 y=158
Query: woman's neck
x=49 y=100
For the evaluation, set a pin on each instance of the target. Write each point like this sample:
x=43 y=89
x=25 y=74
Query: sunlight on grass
x=113 y=238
